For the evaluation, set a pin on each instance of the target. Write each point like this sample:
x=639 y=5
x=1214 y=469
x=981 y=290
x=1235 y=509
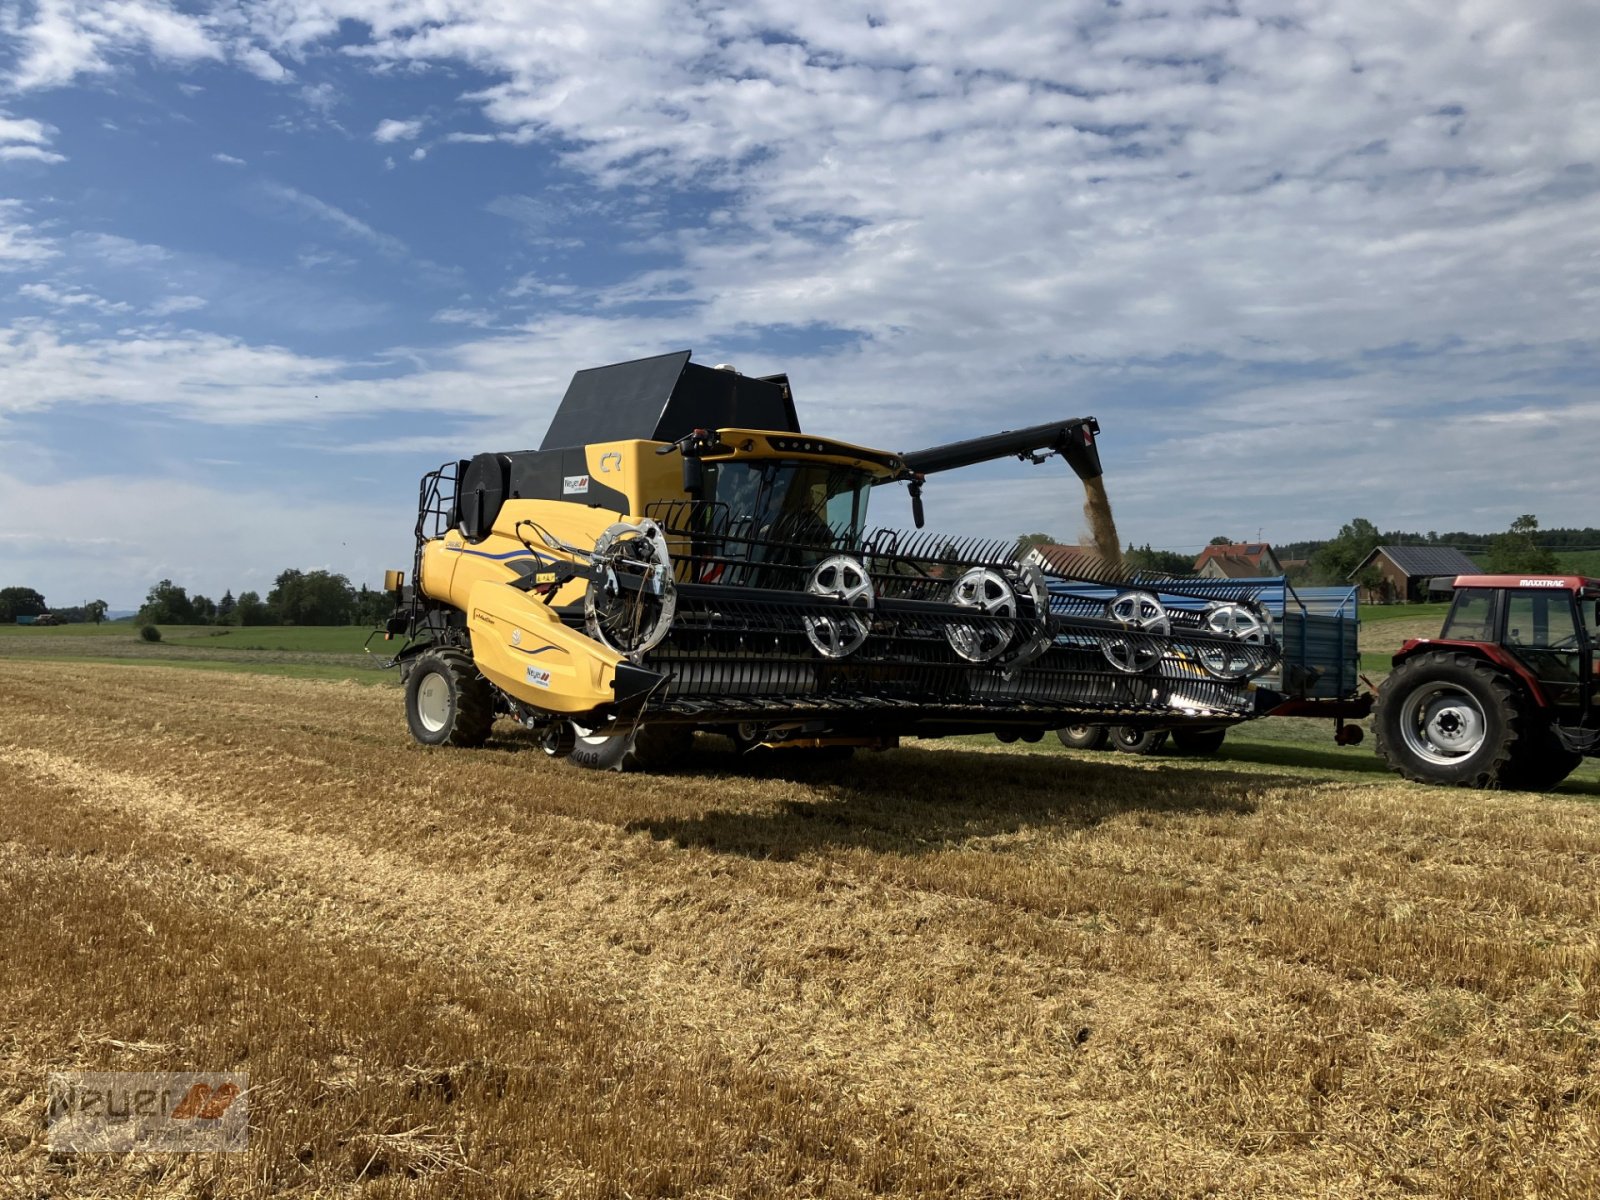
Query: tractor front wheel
x=447 y=702
x=1451 y=719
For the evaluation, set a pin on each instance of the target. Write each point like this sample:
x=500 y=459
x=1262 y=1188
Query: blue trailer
x=1318 y=676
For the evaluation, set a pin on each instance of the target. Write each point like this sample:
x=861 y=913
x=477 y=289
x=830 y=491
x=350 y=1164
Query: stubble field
x=960 y=969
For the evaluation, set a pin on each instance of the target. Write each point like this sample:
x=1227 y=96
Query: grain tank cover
x=660 y=399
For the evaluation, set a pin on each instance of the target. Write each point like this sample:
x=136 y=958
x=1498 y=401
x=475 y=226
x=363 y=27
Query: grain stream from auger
x=932 y=971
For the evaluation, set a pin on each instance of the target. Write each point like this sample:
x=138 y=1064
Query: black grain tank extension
x=662 y=398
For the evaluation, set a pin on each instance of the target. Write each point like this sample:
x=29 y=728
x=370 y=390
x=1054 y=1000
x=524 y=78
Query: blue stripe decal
x=497 y=557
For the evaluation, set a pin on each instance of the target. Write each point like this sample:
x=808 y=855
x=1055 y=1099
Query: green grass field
x=338 y=639
x=1581 y=562
x=308 y=652
x=1380 y=614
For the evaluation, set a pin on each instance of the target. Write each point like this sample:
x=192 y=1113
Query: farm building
x=1238 y=560
x=1413 y=572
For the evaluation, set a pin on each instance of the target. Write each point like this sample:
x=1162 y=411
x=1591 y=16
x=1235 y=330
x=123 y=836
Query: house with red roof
x=1237 y=560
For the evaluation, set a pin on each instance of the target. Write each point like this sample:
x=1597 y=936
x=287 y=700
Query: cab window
x=1471 y=616
x=1541 y=620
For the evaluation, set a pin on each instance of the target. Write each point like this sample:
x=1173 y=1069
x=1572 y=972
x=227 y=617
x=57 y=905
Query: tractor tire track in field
x=1064 y=977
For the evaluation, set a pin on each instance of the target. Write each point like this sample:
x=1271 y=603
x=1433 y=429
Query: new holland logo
x=575 y=485
x=538 y=676
x=205 y=1103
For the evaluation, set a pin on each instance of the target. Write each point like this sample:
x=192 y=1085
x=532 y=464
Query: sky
x=263 y=264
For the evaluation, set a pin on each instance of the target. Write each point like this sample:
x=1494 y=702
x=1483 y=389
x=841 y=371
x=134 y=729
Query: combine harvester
x=679 y=555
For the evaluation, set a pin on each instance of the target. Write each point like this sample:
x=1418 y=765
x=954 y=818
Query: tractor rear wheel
x=447 y=702
x=1133 y=740
x=647 y=748
x=1198 y=741
x=1451 y=719
x=1083 y=737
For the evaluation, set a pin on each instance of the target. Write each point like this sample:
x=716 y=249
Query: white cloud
x=262 y=65
x=63 y=39
x=60 y=299
x=247 y=537
x=20 y=243
x=30 y=154
x=329 y=214
x=396 y=131
x=169 y=306
x=992 y=213
x=227 y=160
x=479 y=317
x=419 y=154
x=23 y=139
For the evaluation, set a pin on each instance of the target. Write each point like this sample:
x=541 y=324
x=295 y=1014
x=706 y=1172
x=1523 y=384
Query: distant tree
x=20 y=602
x=1517 y=550
x=311 y=598
x=373 y=607
x=1029 y=540
x=1334 y=562
x=251 y=611
x=1220 y=541
x=225 y=608
x=1161 y=562
x=205 y=610
x=167 y=604
x=95 y=610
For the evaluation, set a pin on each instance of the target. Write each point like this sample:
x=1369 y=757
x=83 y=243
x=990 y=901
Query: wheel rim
x=433 y=702
x=1443 y=723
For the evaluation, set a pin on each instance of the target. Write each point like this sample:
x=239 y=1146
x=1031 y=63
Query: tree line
x=296 y=598
x=1523 y=548
x=28 y=602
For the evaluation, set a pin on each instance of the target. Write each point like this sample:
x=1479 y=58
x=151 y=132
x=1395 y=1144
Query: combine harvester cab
x=679 y=555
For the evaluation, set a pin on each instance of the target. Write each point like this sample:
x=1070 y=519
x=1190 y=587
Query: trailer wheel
x=1083 y=737
x=648 y=748
x=1198 y=742
x=1450 y=719
x=447 y=702
x=1134 y=740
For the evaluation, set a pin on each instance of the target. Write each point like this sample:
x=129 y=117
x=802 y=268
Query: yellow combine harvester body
x=518 y=639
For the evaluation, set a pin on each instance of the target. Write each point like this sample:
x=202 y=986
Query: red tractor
x=1505 y=695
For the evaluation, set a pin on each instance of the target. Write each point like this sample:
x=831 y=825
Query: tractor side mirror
x=694 y=476
x=915 y=489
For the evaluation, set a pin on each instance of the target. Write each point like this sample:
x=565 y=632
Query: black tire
x=648 y=748
x=1133 y=740
x=1539 y=762
x=1083 y=737
x=1452 y=720
x=447 y=702
x=1198 y=741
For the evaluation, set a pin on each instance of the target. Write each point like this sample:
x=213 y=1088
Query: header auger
x=681 y=556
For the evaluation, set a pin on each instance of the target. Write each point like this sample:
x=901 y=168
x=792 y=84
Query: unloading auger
x=679 y=555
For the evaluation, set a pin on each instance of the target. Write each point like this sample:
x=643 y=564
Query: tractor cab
x=1548 y=624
